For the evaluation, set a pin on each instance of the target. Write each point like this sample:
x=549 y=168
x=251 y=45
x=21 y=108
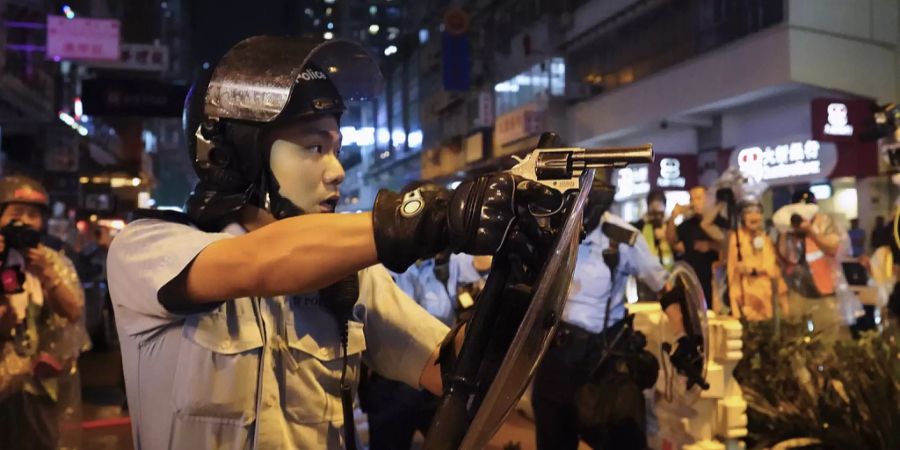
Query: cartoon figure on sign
x=837 y=120
x=670 y=173
x=750 y=162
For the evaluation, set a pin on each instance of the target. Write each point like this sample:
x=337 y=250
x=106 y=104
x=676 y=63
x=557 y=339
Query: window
x=539 y=82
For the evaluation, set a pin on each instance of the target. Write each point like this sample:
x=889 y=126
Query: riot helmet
x=21 y=227
x=22 y=189
x=599 y=201
x=261 y=83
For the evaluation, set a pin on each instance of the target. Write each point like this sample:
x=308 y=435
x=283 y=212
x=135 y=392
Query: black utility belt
x=567 y=334
x=618 y=348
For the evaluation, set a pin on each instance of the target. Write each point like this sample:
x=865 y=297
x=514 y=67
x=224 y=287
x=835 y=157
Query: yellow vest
x=663 y=252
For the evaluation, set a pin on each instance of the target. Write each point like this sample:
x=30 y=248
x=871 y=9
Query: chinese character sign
x=793 y=162
x=88 y=39
x=632 y=181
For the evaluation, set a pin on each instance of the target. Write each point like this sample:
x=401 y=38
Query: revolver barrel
x=554 y=164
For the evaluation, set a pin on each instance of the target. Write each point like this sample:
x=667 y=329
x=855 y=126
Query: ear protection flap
x=218 y=160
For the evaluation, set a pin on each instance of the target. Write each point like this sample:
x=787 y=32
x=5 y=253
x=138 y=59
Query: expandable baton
x=561 y=168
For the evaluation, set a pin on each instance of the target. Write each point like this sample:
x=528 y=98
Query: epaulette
x=161 y=214
x=619 y=234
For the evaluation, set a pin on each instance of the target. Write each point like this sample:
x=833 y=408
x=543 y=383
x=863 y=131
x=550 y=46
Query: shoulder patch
x=619 y=233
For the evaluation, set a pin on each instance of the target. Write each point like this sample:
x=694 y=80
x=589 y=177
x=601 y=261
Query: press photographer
x=41 y=331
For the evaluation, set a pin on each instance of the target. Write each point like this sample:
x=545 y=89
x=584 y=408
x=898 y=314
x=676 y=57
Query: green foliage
x=846 y=394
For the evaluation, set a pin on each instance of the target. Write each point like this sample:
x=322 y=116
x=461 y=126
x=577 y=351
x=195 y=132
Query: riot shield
x=512 y=327
x=693 y=310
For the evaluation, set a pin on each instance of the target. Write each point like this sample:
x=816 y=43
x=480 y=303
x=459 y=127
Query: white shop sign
x=670 y=174
x=838 y=123
x=787 y=163
x=632 y=181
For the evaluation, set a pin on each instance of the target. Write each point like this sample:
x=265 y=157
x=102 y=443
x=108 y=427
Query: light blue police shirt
x=250 y=372
x=439 y=299
x=592 y=283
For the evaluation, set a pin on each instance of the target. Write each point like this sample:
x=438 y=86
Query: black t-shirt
x=690 y=232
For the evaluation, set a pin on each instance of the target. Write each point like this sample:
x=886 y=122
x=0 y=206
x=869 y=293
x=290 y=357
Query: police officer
x=395 y=411
x=226 y=343
x=438 y=283
x=595 y=351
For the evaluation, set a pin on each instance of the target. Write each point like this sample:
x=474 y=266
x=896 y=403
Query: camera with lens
x=796 y=221
x=20 y=236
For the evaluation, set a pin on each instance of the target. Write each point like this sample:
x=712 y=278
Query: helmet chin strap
x=273 y=201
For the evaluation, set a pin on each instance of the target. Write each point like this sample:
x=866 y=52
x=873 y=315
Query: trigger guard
x=543 y=215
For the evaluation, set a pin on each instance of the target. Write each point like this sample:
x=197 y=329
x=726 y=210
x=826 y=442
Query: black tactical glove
x=688 y=360
x=473 y=219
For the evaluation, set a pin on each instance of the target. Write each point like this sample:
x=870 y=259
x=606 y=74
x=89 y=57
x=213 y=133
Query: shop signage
x=474 y=147
x=788 y=163
x=141 y=98
x=839 y=120
x=81 y=38
x=670 y=174
x=632 y=181
x=140 y=57
x=838 y=123
x=485 y=116
x=517 y=124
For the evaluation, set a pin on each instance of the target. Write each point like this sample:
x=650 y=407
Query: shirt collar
x=234 y=229
x=596 y=236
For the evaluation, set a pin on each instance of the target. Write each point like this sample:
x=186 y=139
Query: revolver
x=561 y=168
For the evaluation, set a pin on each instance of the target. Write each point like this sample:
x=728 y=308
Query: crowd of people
x=753 y=267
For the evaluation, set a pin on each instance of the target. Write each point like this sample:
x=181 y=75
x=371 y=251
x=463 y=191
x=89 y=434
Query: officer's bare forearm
x=676 y=323
x=298 y=254
x=431 y=376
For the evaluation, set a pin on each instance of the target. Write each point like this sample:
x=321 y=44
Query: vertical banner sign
x=455 y=54
x=455 y=50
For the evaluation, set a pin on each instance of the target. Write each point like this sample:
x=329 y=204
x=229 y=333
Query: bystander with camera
x=41 y=325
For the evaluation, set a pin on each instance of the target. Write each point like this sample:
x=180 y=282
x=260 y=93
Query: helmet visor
x=255 y=80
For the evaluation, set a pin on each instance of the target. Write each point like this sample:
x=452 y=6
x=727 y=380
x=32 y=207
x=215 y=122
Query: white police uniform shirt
x=439 y=299
x=592 y=284
x=250 y=372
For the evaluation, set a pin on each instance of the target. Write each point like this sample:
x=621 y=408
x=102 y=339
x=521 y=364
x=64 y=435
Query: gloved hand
x=472 y=219
x=688 y=360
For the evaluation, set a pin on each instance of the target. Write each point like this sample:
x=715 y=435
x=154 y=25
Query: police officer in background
x=233 y=333
x=445 y=286
x=589 y=385
x=41 y=326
